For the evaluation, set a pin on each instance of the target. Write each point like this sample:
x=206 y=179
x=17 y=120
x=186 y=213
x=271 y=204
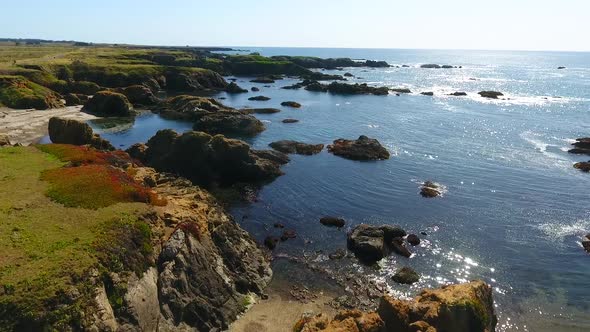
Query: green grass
x=48 y=248
x=18 y=92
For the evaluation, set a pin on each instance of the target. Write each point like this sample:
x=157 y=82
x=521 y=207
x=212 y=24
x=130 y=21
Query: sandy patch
x=29 y=126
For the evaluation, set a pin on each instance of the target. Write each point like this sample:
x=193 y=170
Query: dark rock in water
x=401 y=90
x=363 y=148
x=367 y=243
x=259 y=98
x=4 y=140
x=447 y=66
x=234 y=88
x=232 y=79
x=333 y=222
x=391 y=232
x=561 y=67
x=413 y=239
x=291 y=104
x=139 y=95
x=255 y=89
x=406 y=275
x=290 y=121
x=430 y=65
x=347 y=89
x=458 y=94
x=490 y=94
x=427 y=93
x=287 y=146
x=348 y=75
x=272 y=155
x=397 y=246
x=261 y=110
x=583 y=166
x=293 y=87
x=586 y=243
x=288 y=234
x=264 y=80
x=581 y=146
x=405 y=66
x=211 y=116
x=376 y=64
x=271 y=242
x=107 y=103
x=465 y=307
x=430 y=189
x=179 y=80
x=278 y=225
x=208 y=160
x=337 y=254
x=70 y=131
x=72 y=99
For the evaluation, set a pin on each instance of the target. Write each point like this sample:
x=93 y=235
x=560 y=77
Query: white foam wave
x=558 y=231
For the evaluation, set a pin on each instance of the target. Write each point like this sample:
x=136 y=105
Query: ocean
x=514 y=209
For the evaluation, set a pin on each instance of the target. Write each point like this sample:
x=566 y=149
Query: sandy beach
x=29 y=126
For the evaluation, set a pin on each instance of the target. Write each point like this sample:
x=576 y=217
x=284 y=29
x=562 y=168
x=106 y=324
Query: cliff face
x=206 y=272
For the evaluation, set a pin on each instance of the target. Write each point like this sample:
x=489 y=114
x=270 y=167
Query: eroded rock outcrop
x=344 y=89
x=581 y=146
x=288 y=146
x=363 y=148
x=208 y=160
x=20 y=93
x=70 y=131
x=490 y=94
x=371 y=243
x=344 y=321
x=139 y=95
x=108 y=103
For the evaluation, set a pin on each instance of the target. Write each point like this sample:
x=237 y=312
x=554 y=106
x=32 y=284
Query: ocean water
x=514 y=210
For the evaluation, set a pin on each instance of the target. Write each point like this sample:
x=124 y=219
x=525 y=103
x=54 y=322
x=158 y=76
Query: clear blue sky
x=450 y=24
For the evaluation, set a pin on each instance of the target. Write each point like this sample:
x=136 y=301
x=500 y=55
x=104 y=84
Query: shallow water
x=514 y=210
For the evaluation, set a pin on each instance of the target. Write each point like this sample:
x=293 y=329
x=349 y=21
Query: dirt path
x=29 y=126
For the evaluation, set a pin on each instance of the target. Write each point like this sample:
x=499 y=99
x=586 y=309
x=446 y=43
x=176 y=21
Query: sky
x=559 y=25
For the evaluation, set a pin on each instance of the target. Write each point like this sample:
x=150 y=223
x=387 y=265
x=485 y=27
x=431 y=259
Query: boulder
x=427 y=93
x=193 y=80
x=401 y=90
x=581 y=146
x=413 y=239
x=406 y=275
x=348 y=75
x=288 y=234
x=344 y=321
x=561 y=67
x=458 y=94
x=234 y=88
x=4 y=140
x=108 y=103
x=290 y=121
x=261 y=110
x=367 y=243
x=363 y=148
x=287 y=146
x=264 y=80
x=332 y=222
x=391 y=232
x=259 y=98
x=465 y=307
x=586 y=243
x=139 y=95
x=255 y=89
x=137 y=151
x=70 y=131
x=583 y=166
x=72 y=99
x=346 y=89
x=211 y=160
x=291 y=104
x=490 y=94
x=430 y=66
x=430 y=189
x=397 y=246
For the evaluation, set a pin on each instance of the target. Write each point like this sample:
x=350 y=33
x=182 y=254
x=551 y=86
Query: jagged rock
x=561 y=67
x=458 y=94
x=287 y=146
x=401 y=90
x=430 y=65
x=427 y=93
x=586 y=243
x=140 y=95
x=583 y=166
x=70 y=131
x=348 y=75
x=272 y=155
x=406 y=275
x=107 y=103
x=259 y=98
x=291 y=104
x=137 y=151
x=391 y=232
x=367 y=243
x=211 y=116
x=332 y=221
x=344 y=321
x=234 y=88
x=261 y=110
x=290 y=120
x=581 y=146
x=397 y=246
x=490 y=94
x=255 y=89
x=430 y=189
x=413 y=239
x=4 y=140
x=181 y=80
x=363 y=148
x=206 y=159
x=346 y=89
x=465 y=307
x=72 y=99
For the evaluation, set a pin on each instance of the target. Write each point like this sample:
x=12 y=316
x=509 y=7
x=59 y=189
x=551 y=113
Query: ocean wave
x=559 y=231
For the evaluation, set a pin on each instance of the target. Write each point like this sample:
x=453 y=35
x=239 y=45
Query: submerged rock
x=290 y=121
x=583 y=166
x=271 y=242
x=490 y=94
x=261 y=110
x=406 y=275
x=259 y=98
x=287 y=146
x=363 y=148
x=291 y=104
x=108 y=103
x=70 y=131
x=234 y=88
x=265 y=80
x=465 y=307
x=332 y=221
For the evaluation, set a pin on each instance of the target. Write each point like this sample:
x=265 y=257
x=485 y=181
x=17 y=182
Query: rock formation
x=108 y=103
x=490 y=94
x=371 y=243
x=363 y=148
x=287 y=146
x=70 y=131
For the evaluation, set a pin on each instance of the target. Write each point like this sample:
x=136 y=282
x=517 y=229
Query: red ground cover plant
x=83 y=155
